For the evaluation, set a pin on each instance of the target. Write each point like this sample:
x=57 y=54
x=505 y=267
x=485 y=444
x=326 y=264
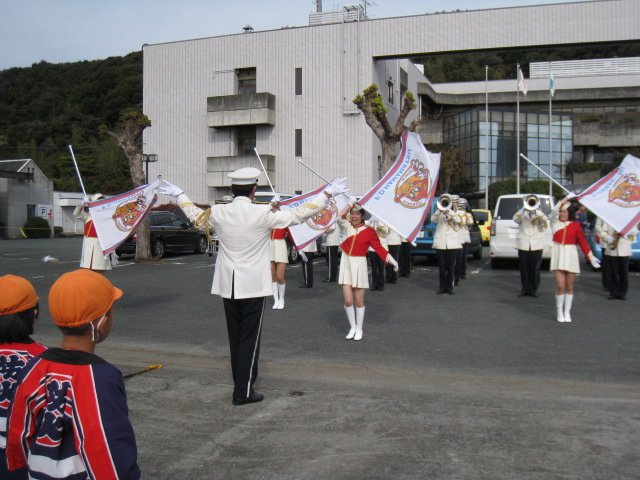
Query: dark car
x=424 y=240
x=169 y=233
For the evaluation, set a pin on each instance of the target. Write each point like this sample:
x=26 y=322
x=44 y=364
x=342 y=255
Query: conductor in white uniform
x=242 y=272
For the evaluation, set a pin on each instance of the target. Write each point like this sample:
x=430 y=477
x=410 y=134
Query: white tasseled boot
x=274 y=289
x=559 y=302
x=359 y=322
x=568 y=301
x=351 y=316
x=281 y=289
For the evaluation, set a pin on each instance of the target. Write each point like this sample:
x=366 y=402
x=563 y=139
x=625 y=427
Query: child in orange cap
x=18 y=312
x=79 y=426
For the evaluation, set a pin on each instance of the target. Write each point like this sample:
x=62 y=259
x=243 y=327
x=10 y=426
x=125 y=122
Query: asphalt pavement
x=477 y=385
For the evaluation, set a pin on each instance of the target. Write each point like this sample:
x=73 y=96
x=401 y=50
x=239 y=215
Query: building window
x=246 y=140
x=404 y=83
x=246 y=80
x=31 y=211
x=390 y=90
x=298 y=142
x=298 y=81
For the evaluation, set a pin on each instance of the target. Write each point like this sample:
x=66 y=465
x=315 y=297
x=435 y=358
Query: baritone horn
x=531 y=203
x=445 y=202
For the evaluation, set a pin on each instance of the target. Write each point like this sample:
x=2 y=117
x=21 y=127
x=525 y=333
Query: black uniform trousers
x=446 y=267
x=461 y=263
x=619 y=282
x=392 y=275
x=307 y=270
x=405 y=260
x=606 y=271
x=244 y=326
x=377 y=271
x=332 y=260
x=530 y=263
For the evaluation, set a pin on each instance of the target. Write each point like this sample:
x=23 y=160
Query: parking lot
x=478 y=385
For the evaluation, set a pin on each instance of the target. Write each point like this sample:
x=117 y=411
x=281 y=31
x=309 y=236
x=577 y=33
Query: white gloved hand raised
x=595 y=263
x=275 y=201
x=168 y=188
x=338 y=186
x=392 y=261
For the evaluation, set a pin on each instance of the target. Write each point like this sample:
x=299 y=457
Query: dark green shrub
x=57 y=231
x=37 y=227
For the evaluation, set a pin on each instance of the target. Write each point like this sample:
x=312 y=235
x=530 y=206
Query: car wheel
x=157 y=249
x=477 y=255
x=293 y=254
x=201 y=246
x=495 y=263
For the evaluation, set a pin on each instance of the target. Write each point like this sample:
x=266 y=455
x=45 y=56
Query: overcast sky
x=71 y=30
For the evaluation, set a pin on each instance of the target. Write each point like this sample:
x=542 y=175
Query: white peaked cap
x=244 y=176
x=95 y=197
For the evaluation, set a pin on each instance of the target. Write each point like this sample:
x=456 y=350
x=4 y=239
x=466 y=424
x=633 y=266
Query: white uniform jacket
x=382 y=230
x=244 y=229
x=393 y=238
x=530 y=237
x=333 y=236
x=447 y=235
x=623 y=247
x=602 y=233
x=467 y=221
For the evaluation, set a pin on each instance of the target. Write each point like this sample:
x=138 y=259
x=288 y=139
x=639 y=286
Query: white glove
x=595 y=263
x=85 y=200
x=275 y=201
x=392 y=261
x=168 y=188
x=338 y=186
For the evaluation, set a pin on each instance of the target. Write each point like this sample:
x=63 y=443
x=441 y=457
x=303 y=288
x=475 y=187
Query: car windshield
x=509 y=206
x=481 y=216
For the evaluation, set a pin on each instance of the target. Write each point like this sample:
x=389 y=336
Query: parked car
x=502 y=245
x=594 y=244
x=424 y=240
x=169 y=233
x=484 y=217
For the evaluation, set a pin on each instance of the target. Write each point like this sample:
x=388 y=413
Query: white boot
x=559 y=302
x=359 y=322
x=568 y=301
x=351 y=316
x=281 y=289
x=274 y=289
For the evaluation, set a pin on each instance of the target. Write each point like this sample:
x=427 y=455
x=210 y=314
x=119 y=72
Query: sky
x=58 y=31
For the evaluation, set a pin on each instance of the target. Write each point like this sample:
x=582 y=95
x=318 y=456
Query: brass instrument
x=614 y=243
x=540 y=222
x=531 y=203
x=445 y=203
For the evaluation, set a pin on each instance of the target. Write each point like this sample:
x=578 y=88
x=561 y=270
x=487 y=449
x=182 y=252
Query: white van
x=502 y=244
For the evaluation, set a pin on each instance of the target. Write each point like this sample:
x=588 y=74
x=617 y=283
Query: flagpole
x=352 y=199
x=486 y=143
x=544 y=173
x=518 y=128
x=264 y=170
x=551 y=86
x=75 y=164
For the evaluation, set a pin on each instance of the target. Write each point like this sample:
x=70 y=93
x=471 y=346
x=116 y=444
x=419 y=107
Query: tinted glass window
x=509 y=206
x=160 y=219
x=481 y=216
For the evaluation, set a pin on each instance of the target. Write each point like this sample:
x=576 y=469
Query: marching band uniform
x=353 y=267
x=242 y=272
x=92 y=256
x=377 y=264
x=307 y=265
x=465 y=240
x=332 y=243
x=278 y=253
x=394 y=241
x=446 y=242
x=601 y=230
x=530 y=242
x=618 y=251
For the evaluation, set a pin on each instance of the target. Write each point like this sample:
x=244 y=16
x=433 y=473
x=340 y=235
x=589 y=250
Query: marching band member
x=353 y=265
x=394 y=240
x=564 y=256
x=530 y=242
x=618 y=251
x=242 y=275
x=332 y=243
x=601 y=229
x=446 y=241
x=465 y=240
x=308 y=252
x=377 y=264
x=405 y=260
x=279 y=257
x=92 y=256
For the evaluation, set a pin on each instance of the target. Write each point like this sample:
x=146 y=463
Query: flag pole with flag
x=552 y=90
x=521 y=87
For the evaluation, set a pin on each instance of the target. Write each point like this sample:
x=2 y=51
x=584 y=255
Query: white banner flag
x=305 y=233
x=402 y=198
x=116 y=217
x=616 y=197
x=522 y=83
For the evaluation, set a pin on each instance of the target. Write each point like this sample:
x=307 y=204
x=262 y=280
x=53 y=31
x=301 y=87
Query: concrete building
x=25 y=192
x=289 y=92
x=64 y=203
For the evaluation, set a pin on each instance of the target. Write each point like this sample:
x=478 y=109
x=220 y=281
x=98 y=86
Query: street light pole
x=148 y=158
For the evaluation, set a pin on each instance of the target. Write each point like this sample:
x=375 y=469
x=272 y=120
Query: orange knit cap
x=16 y=295
x=80 y=297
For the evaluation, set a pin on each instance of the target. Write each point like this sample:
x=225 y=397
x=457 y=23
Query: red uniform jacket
x=358 y=244
x=90 y=229
x=279 y=233
x=572 y=235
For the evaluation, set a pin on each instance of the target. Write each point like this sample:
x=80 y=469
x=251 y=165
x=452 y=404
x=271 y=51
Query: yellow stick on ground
x=148 y=368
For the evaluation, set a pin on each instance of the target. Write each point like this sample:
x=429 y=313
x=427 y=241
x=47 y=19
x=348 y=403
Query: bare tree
x=371 y=104
x=451 y=165
x=128 y=135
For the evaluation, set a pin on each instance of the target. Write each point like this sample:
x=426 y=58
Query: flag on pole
x=552 y=84
x=616 y=197
x=305 y=233
x=522 y=83
x=402 y=197
x=117 y=217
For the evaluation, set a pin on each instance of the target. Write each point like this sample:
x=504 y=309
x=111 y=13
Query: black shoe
x=611 y=297
x=326 y=280
x=450 y=291
x=441 y=291
x=393 y=282
x=533 y=294
x=252 y=398
x=523 y=293
x=621 y=297
x=373 y=289
x=304 y=286
x=456 y=283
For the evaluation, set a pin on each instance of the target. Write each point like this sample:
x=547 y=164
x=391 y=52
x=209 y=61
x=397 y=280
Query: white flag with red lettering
x=117 y=217
x=616 y=197
x=402 y=198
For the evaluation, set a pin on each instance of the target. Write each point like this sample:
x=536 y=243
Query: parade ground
x=476 y=385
